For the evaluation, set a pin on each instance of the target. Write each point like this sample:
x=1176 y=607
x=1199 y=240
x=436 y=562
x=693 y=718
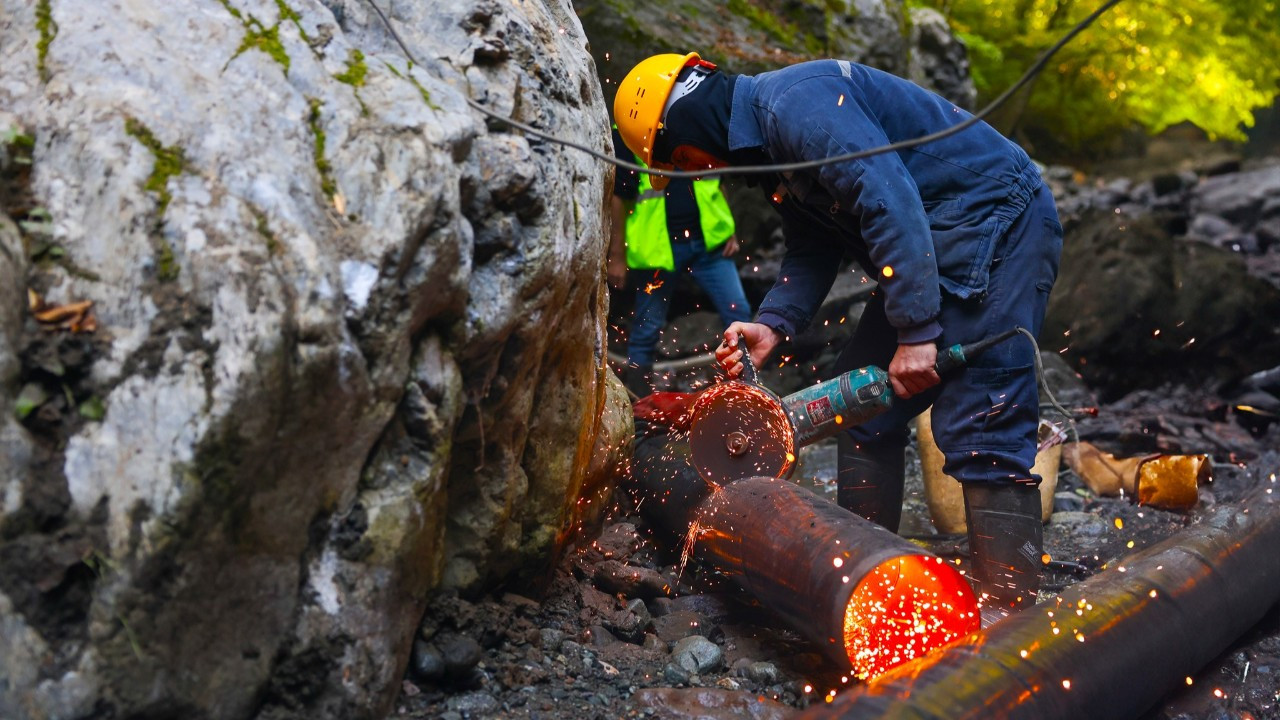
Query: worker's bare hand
x=911 y=370
x=731 y=246
x=617 y=272
x=761 y=340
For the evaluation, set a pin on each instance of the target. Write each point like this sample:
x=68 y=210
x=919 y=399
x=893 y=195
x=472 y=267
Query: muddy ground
x=622 y=630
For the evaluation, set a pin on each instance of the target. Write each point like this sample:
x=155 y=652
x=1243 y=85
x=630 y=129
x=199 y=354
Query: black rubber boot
x=639 y=380
x=1006 y=541
x=869 y=481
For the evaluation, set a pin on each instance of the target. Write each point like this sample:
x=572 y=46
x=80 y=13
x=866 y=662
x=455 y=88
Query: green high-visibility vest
x=648 y=242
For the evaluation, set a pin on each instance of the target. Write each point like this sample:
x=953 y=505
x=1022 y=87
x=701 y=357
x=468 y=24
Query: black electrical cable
x=1031 y=72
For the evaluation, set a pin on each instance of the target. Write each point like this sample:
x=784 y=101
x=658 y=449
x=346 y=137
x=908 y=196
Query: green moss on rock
x=327 y=183
x=355 y=72
x=258 y=36
x=169 y=161
x=354 y=76
x=426 y=95
x=48 y=31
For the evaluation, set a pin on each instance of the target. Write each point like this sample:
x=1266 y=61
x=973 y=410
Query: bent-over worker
x=961 y=235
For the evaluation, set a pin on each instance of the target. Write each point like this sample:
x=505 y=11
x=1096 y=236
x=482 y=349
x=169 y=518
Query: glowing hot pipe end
x=904 y=608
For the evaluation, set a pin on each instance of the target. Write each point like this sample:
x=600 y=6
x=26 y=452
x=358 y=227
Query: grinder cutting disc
x=739 y=430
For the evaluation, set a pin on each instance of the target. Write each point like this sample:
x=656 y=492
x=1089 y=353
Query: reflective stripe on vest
x=648 y=243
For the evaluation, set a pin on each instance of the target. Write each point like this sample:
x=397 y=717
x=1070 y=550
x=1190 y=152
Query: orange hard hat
x=642 y=96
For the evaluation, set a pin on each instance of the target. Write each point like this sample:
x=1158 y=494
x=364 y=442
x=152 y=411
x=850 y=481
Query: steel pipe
x=870 y=599
x=1108 y=647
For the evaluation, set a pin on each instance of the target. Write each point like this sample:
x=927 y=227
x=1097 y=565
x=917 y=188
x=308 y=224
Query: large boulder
x=1136 y=307
x=349 y=346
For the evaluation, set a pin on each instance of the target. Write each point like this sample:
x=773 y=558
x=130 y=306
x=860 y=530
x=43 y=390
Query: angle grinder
x=740 y=428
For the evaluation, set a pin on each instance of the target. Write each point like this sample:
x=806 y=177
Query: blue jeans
x=716 y=274
x=985 y=416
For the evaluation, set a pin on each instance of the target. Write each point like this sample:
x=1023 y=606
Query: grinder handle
x=748 y=369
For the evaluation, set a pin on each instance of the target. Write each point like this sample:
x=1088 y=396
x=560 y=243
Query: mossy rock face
x=330 y=302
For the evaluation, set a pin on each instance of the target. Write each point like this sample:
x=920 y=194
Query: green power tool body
x=741 y=429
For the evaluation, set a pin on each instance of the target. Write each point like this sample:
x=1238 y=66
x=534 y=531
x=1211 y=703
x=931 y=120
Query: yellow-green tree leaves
x=1150 y=64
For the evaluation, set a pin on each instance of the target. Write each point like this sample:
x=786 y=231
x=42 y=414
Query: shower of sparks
x=903 y=609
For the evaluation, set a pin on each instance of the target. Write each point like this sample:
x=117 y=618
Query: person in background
x=660 y=231
x=961 y=235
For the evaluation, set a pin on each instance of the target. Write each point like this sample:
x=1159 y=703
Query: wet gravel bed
x=623 y=630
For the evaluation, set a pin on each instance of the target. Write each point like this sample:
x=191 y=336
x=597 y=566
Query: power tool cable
x=1027 y=76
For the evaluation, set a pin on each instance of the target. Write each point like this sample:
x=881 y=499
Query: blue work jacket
x=920 y=220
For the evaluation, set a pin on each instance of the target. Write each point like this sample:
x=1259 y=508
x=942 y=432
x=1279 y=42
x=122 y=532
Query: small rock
x=697 y=654
x=728 y=683
x=625 y=626
x=653 y=642
x=460 y=653
x=550 y=639
x=473 y=703
x=641 y=611
x=600 y=636
x=681 y=624
x=630 y=580
x=571 y=648
x=659 y=606
x=675 y=674
x=764 y=673
x=618 y=541
x=715 y=607
x=427 y=663
x=523 y=605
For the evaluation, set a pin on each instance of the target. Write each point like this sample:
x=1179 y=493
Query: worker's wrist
x=778 y=324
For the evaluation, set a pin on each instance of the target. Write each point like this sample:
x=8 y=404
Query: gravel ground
x=622 y=630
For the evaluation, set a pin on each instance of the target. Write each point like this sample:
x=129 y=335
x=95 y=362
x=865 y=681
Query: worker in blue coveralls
x=961 y=235
x=658 y=234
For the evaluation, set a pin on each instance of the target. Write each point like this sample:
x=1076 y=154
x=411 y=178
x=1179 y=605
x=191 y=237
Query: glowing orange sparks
x=903 y=609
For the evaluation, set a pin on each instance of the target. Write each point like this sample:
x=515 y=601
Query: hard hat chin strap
x=688 y=81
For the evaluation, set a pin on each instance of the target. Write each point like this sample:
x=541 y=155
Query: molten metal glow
x=905 y=608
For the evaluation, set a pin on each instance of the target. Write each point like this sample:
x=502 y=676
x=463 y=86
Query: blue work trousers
x=716 y=274
x=985 y=416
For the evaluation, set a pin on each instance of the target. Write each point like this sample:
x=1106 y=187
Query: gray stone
x=427 y=662
x=680 y=624
x=293 y=317
x=631 y=581
x=460 y=653
x=550 y=639
x=473 y=703
x=765 y=673
x=676 y=674
x=938 y=59
x=697 y=654
x=600 y=636
x=653 y=642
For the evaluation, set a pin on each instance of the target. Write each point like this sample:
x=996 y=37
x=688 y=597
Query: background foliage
x=1143 y=64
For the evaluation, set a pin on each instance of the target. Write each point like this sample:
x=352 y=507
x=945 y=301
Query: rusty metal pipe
x=1108 y=647
x=867 y=597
